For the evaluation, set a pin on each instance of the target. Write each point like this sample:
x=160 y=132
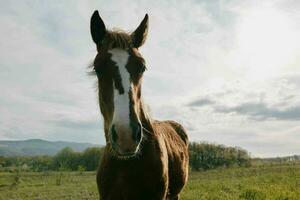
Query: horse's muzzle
x=125 y=140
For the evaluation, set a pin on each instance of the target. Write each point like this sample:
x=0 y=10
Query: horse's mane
x=117 y=38
x=146 y=112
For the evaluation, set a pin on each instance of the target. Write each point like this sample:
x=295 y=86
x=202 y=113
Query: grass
x=53 y=185
x=254 y=183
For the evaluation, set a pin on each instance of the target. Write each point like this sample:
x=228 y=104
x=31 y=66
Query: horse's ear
x=98 y=29
x=140 y=34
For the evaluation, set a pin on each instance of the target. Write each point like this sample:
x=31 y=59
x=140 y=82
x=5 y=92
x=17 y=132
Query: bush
x=91 y=157
x=66 y=159
x=209 y=156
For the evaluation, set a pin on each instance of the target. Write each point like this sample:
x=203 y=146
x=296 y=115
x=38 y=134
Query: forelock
x=117 y=39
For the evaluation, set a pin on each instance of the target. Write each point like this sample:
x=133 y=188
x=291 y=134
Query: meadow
x=265 y=182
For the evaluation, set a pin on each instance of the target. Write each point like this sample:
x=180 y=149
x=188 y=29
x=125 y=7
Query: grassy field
x=254 y=183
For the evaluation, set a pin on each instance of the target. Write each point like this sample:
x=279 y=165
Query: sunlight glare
x=266 y=44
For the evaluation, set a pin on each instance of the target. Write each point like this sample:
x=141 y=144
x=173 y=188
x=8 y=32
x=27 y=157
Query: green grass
x=255 y=183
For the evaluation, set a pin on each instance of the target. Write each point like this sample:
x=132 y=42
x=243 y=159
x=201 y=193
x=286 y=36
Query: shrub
x=209 y=156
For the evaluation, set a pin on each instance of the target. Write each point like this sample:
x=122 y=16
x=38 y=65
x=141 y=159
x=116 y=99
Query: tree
x=91 y=157
x=66 y=159
x=209 y=156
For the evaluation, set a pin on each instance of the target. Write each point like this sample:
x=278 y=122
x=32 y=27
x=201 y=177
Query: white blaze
x=121 y=101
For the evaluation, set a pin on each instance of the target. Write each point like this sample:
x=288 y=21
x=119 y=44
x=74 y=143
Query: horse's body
x=159 y=172
x=143 y=158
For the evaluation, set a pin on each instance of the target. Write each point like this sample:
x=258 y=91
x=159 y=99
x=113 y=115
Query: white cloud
x=41 y=81
x=196 y=51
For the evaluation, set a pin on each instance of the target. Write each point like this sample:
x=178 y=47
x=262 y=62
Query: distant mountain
x=35 y=147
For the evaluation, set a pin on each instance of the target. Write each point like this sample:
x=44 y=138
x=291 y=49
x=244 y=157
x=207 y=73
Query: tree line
x=203 y=156
x=65 y=160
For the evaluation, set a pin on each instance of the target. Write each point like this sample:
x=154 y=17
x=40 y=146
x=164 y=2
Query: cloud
x=261 y=111
x=197 y=75
x=276 y=99
x=77 y=124
x=201 y=102
x=43 y=74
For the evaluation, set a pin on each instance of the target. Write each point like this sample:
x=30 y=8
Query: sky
x=227 y=70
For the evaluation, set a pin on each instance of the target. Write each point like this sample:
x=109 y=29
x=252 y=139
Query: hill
x=35 y=147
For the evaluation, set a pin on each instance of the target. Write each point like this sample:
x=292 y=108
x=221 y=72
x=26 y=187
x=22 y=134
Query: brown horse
x=144 y=159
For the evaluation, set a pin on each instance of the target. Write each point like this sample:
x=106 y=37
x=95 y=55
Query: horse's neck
x=145 y=117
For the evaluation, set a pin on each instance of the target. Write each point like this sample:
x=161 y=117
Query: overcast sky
x=229 y=71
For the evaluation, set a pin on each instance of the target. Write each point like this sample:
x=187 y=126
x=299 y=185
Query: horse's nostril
x=114 y=135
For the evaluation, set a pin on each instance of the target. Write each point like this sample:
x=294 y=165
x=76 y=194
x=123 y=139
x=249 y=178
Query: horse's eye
x=142 y=69
x=98 y=70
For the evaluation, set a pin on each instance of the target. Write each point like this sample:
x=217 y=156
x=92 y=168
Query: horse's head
x=119 y=67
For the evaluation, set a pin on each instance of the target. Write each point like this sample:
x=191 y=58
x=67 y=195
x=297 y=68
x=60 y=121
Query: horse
x=144 y=159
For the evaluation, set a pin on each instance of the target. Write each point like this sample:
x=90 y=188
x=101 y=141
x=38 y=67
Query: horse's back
x=171 y=130
x=176 y=141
